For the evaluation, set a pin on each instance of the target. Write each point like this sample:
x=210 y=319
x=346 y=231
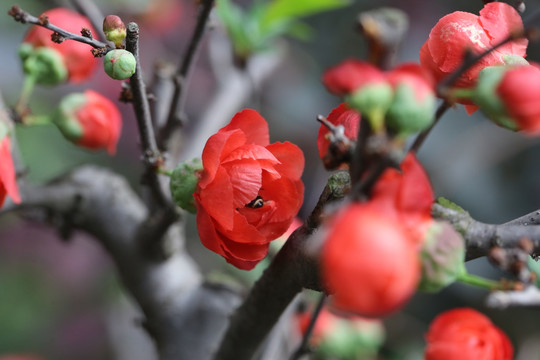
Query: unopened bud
x=184 y=180
x=45 y=64
x=114 y=29
x=120 y=64
x=442 y=256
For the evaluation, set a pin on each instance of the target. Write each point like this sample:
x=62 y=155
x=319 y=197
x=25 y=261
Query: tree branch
x=480 y=237
x=185 y=317
x=23 y=17
x=181 y=78
x=293 y=268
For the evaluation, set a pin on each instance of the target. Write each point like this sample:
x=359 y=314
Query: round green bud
x=442 y=257
x=120 y=64
x=373 y=101
x=183 y=183
x=114 y=29
x=407 y=114
x=44 y=64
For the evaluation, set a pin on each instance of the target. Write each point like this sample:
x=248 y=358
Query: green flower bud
x=373 y=101
x=114 y=29
x=120 y=64
x=442 y=256
x=352 y=339
x=407 y=114
x=44 y=64
x=65 y=116
x=486 y=97
x=184 y=180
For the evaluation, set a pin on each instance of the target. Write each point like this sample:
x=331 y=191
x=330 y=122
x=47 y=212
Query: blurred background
x=62 y=300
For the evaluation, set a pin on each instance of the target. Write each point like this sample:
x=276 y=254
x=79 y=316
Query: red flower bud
x=8 y=180
x=90 y=120
x=368 y=262
x=406 y=197
x=351 y=75
x=466 y=334
x=114 y=29
x=444 y=50
x=249 y=191
x=78 y=59
x=342 y=115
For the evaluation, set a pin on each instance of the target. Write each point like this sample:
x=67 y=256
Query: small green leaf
x=287 y=9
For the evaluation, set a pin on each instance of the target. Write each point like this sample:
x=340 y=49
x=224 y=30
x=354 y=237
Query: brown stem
x=181 y=78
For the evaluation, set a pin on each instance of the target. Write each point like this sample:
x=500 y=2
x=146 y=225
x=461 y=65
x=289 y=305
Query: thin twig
x=303 y=348
x=23 y=17
x=181 y=78
x=151 y=154
x=419 y=141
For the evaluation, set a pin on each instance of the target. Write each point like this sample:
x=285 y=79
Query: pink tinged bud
x=368 y=262
x=114 y=29
x=509 y=95
x=89 y=120
x=443 y=257
x=414 y=102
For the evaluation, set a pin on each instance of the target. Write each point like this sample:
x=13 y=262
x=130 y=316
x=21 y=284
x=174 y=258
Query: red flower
x=344 y=116
x=406 y=196
x=350 y=75
x=368 y=262
x=77 y=57
x=8 y=181
x=249 y=191
x=443 y=52
x=90 y=120
x=466 y=334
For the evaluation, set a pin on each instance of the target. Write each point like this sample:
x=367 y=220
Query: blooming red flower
x=90 y=120
x=368 y=261
x=8 y=181
x=249 y=191
x=466 y=334
x=406 y=196
x=443 y=52
x=77 y=57
x=350 y=75
x=342 y=115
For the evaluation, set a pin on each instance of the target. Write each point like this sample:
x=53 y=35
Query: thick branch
x=293 y=268
x=185 y=317
x=480 y=237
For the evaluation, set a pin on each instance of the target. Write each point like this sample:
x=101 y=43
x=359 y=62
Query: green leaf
x=294 y=9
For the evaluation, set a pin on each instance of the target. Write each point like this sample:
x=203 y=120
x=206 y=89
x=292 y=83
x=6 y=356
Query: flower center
x=256 y=203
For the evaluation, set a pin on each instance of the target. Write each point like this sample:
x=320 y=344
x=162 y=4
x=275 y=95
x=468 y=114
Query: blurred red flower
x=351 y=75
x=77 y=57
x=445 y=48
x=8 y=180
x=466 y=334
x=368 y=262
x=342 y=115
x=249 y=190
x=406 y=196
x=90 y=120
x=519 y=92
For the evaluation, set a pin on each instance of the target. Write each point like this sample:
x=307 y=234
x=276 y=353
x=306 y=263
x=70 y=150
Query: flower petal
x=217 y=199
x=252 y=124
x=291 y=159
x=218 y=147
x=8 y=179
x=246 y=180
